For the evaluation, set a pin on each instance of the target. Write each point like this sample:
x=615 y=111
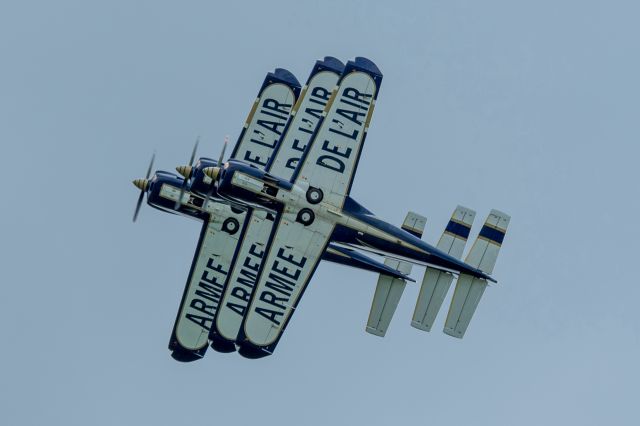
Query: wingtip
x=367 y=64
x=331 y=63
x=286 y=76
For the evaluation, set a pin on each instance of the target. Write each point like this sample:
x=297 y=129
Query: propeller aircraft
x=282 y=202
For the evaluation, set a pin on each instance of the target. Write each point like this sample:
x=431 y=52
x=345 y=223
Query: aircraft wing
x=243 y=276
x=214 y=257
x=330 y=163
x=267 y=119
x=291 y=257
x=305 y=117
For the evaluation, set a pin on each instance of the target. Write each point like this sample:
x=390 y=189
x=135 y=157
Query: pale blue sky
x=528 y=107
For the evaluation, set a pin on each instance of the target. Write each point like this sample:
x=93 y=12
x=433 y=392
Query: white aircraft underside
x=281 y=203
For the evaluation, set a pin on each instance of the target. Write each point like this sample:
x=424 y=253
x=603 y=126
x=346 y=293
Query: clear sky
x=528 y=107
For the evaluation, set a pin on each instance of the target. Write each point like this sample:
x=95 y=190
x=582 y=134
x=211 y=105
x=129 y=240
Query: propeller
x=143 y=184
x=213 y=172
x=224 y=147
x=186 y=171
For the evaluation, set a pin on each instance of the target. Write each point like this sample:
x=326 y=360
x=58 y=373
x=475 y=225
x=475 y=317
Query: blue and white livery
x=282 y=202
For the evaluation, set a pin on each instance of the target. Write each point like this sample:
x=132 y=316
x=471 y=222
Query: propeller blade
x=153 y=158
x=140 y=198
x=193 y=153
x=142 y=191
x=210 y=191
x=182 y=188
x=187 y=177
x=224 y=147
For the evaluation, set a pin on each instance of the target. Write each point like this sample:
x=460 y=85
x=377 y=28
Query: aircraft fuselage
x=354 y=225
x=164 y=190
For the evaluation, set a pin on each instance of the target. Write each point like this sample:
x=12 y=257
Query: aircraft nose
x=212 y=172
x=141 y=184
x=185 y=171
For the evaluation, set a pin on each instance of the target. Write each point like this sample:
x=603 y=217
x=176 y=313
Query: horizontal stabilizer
x=469 y=290
x=436 y=283
x=389 y=289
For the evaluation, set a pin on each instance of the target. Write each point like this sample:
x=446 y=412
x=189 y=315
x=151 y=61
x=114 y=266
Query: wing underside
x=267 y=119
x=305 y=117
x=331 y=161
x=243 y=276
x=211 y=264
x=290 y=261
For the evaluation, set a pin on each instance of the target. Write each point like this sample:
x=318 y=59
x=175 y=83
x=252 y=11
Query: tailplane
x=389 y=289
x=469 y=290
x=436 y=283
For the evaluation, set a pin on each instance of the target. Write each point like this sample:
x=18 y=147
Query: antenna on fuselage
x=143 y=184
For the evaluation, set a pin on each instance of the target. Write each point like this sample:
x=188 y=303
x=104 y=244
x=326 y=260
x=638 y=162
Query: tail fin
x=390 y=289
x=469 y=290
x=436 y=283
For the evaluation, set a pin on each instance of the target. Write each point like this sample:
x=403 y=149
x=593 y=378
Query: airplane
x=282 y=202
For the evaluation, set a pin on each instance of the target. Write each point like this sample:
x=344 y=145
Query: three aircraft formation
x=281 y=203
